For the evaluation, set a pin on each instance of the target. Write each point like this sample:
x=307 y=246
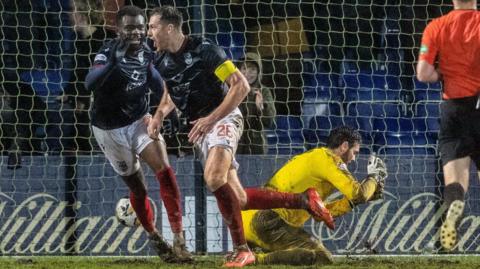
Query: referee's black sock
x=452 y=192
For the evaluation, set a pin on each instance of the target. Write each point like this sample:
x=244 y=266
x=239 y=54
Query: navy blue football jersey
x=195 y=76
x=123 y=97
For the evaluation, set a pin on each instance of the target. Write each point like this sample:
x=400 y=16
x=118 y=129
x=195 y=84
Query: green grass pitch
x=386 y=262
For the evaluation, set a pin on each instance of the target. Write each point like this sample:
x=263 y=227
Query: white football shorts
x=122 y=146
x=225 y=133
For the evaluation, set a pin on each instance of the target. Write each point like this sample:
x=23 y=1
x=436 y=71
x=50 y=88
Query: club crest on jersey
x=141 y=59
x=188 y=58
x=100 y=57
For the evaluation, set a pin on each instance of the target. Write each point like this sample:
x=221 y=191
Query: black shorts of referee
x=460 y=129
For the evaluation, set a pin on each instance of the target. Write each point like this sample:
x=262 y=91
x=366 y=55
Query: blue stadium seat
x=427 y=109
x=427 y=95
x=314 y=95
x=429 y=125
x=379 y=81
x=380 y=116
x=289 y=130
x=393 y=124
x=358 y=79
x=46 y=83
x=391 y=34
x=310 y=110
x=393 y=82
x=358 y=94
x=374 y=86
x=321 y=87
x=360 y=109
x=271 y=137
x=404 y=143
x=232 y=42
x=319 y=128
x=427 y=86
x=320 y=109
x=420 y=85
x=386 y=87
x=391 y=109
x=326 y=80
x=288 y=122
x=350 y=80
x=365 y=80
x=377 y=109
x=426 y=118
x=325 y=84
x=363 y=125
x=392 y=95
x=392 y=62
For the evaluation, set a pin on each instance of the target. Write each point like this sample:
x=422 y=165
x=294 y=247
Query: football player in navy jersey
x=207 y=87
x=120 y=79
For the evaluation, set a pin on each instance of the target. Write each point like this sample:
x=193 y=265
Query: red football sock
x=230 y=208
x=261 y=198
x=171 y=197
x=144 y=212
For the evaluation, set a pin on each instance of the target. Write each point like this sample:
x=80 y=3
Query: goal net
x=324 y=64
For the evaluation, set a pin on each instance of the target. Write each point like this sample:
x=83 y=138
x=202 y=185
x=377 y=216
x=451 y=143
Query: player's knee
x=139 y=191
x=242 y=198
x=214 y=182
x=159 y=167
x=135 y=184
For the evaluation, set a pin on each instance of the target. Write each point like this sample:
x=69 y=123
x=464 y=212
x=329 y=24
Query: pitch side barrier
x=46 y=208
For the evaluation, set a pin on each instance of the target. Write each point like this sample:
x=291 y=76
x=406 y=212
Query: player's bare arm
x=239 y=88
x=427 y=72
x=166 y=106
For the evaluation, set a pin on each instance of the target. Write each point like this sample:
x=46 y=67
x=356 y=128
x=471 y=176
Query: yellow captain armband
x=225 y=70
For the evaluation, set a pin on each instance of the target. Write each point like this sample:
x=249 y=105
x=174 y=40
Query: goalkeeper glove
x=376 y=168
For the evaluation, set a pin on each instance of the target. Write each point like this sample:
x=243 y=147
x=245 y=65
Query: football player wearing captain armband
x=120 y=79
x=450 y=52
x=207 y=88
x=279 y=232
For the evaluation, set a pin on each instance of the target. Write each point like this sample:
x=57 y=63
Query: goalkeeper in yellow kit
x=279 y=232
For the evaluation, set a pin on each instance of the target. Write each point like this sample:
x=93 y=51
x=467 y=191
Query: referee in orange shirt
x=450 y=52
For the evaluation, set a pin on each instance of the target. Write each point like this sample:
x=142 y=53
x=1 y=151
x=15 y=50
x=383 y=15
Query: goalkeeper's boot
x=317 y=209
x=180 y=251
x=163 y=249
x=240 y=257
x=448 y=231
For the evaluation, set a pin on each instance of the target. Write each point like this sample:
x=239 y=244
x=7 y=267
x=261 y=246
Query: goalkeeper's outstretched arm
x=368 y=190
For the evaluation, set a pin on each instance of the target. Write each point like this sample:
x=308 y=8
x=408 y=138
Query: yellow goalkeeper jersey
x=321 y=169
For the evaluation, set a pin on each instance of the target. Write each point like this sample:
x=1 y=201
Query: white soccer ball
x=125 y=213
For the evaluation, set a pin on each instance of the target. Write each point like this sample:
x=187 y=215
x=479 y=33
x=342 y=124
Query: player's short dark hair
x=341 y=134
x=169 y=14
x=132 y=11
